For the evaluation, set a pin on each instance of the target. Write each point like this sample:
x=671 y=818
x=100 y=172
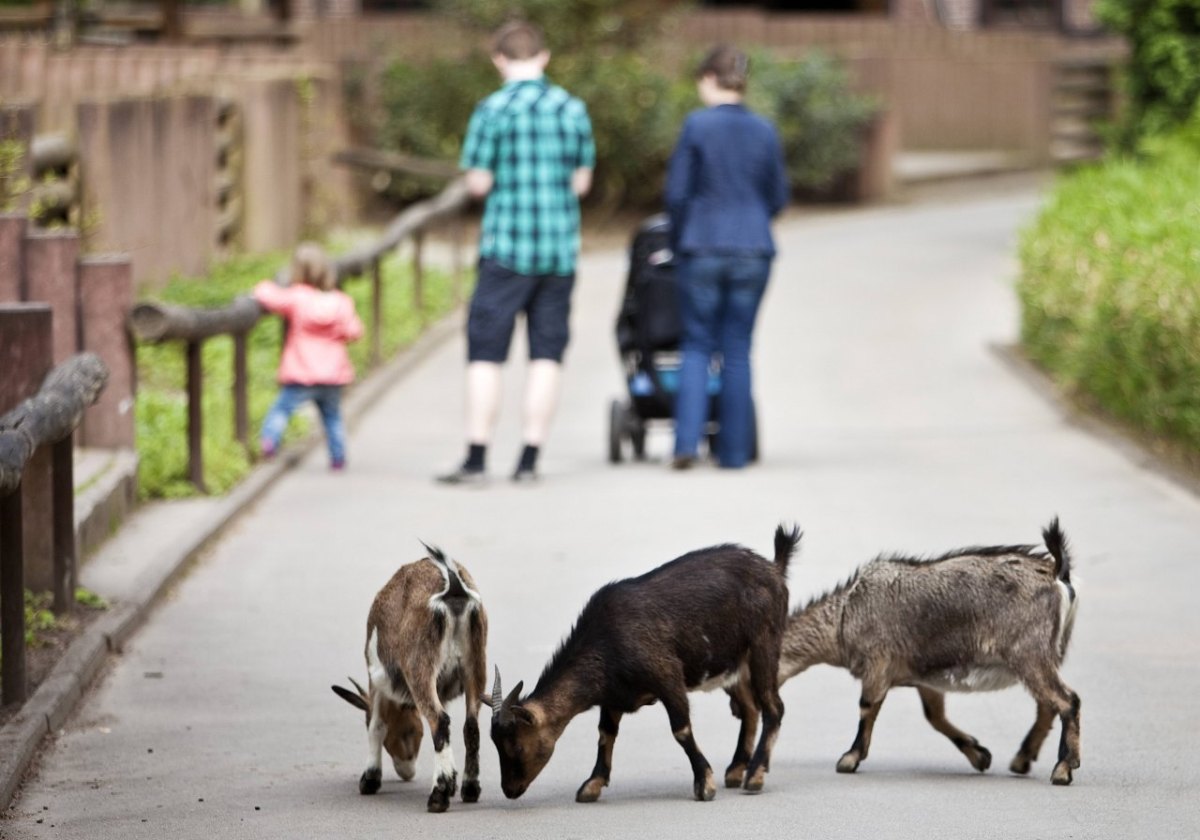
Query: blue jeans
x=329 y=402
x=718 y=302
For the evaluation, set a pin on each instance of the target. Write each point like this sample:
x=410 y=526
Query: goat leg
x=1032 y=744
x=610 y=722
x=869 y=705
x=933 y=703
x=743 y=707
x=704 y=788
x=372 y=778
x=765 y=689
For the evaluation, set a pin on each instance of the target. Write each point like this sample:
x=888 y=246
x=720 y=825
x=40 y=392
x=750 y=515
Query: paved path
x=888 y=424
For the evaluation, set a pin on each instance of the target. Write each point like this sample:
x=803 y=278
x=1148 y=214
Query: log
x=413 y=219
x=50 y=415
x=151 y=321
x=395 y=162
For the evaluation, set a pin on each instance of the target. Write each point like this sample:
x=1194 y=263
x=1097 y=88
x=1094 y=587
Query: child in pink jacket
x=314 y=365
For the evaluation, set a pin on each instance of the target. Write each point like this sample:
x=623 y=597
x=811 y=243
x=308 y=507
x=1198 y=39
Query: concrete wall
x=148 y=181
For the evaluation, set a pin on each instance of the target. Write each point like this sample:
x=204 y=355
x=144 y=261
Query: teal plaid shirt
x=531 y=135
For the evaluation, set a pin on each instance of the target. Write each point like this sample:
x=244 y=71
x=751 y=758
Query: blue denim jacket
x=725 y=182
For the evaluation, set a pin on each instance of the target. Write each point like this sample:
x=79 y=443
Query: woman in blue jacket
x=725 y=182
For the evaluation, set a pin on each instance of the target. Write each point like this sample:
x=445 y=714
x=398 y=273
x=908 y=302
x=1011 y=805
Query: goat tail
x=1056 y=544
x=456 y=593
x=786 y=542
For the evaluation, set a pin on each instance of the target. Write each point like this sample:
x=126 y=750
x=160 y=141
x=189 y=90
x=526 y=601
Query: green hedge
x=161 y=411
x=637 y=110
x=1110 y=286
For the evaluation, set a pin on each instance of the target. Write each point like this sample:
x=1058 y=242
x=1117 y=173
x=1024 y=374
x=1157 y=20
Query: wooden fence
x=41 y=426
x=153 y=321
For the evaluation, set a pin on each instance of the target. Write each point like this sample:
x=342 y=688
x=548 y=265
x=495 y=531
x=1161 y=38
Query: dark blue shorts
x=500 y=295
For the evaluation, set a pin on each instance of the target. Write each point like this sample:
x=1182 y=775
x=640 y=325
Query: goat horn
x=354 y=683
x=497 y=693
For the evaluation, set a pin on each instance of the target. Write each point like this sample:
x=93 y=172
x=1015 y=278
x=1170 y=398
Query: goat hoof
x=438 y=802
x=847 y=763
x=1061 y=774
x=705 y=789
x=734 y=776
x=983 y=760
x=589 y=791
x=470 y=790
x=1020 y=765
x=754 y=782
x=370 y=781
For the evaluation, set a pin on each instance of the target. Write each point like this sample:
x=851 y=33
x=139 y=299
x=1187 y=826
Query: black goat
x=702 y=621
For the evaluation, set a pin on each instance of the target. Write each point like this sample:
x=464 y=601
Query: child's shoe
x=337 y=464
x=267 y=449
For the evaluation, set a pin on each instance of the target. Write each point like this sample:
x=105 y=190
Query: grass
x=1110 y=287
x=161 y=412
x=40 y=620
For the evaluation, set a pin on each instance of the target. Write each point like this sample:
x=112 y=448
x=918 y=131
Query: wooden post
x=26 y=348
x=12 y=599
x=12 y=263
x=195 y=393
x=65 y=560
x=241 y=402
x=418 y=270
x=105 y=296
x=376 y=313
x=457 y=234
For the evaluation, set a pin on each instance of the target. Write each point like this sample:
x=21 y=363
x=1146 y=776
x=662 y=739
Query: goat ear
x=522 y=715
x=355 y=700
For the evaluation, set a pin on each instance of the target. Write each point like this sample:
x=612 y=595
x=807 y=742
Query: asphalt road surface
x=888 y=424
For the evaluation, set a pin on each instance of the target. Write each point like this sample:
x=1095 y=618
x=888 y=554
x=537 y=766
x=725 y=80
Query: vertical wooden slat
x=65 y=561
x=12 y=599
x=241 y=402
x=376 y=313
x=418 y=269
x=195 y=392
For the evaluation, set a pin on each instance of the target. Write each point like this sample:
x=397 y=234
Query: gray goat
x=976 y=619
x=426 y=645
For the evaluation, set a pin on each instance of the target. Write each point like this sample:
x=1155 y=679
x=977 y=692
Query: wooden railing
x=154 y=322
x=47 y=419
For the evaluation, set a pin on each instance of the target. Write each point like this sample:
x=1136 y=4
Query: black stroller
x=648 y=335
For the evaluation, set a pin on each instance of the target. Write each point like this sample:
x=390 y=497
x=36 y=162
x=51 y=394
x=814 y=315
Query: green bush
x=1110 y=286
x=161 y=411
x=1162 y=78
x=636 y=111
x=820 y=120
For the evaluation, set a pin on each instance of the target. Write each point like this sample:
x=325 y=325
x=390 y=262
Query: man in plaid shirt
x=529 y=151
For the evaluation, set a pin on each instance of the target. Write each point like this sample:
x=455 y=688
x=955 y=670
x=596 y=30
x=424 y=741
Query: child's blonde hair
x=311 y=265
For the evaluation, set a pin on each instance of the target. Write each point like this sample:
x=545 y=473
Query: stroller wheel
x=616 y=427
x=637 y=434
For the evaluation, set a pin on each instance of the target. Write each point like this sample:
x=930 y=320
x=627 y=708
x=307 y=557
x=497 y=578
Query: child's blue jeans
x=329 y=402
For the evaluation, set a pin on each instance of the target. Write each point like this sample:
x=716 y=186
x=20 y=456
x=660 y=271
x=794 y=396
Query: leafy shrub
x=161 y=411
x=1109 y=285
x=1162 y=78
x=572 y=27
x=820 y=120
x=636 y=111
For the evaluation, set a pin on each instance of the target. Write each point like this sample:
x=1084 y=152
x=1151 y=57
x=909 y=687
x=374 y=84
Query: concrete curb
x=59 y=694
x=1110 y=432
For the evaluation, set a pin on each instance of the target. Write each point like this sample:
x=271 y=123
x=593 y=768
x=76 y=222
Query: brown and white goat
x=701 y=621
x=426 y=645
x=977 y=619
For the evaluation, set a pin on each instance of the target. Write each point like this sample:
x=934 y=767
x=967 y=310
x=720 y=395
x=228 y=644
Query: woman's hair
x=728 y=65
x=518 y=40
x=310 y=265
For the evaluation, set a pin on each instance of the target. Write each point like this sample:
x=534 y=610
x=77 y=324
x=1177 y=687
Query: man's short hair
x=728 y=65
x=518 y=40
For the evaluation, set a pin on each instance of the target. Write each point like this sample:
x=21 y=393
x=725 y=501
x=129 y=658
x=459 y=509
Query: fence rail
x=46 y=419
x=154 y=321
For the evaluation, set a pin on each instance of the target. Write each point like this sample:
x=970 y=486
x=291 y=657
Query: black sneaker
x=683 y=462
x=524 y=476
x=464 y=475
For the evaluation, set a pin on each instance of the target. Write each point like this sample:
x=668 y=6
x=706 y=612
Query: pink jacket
x=319 y=326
